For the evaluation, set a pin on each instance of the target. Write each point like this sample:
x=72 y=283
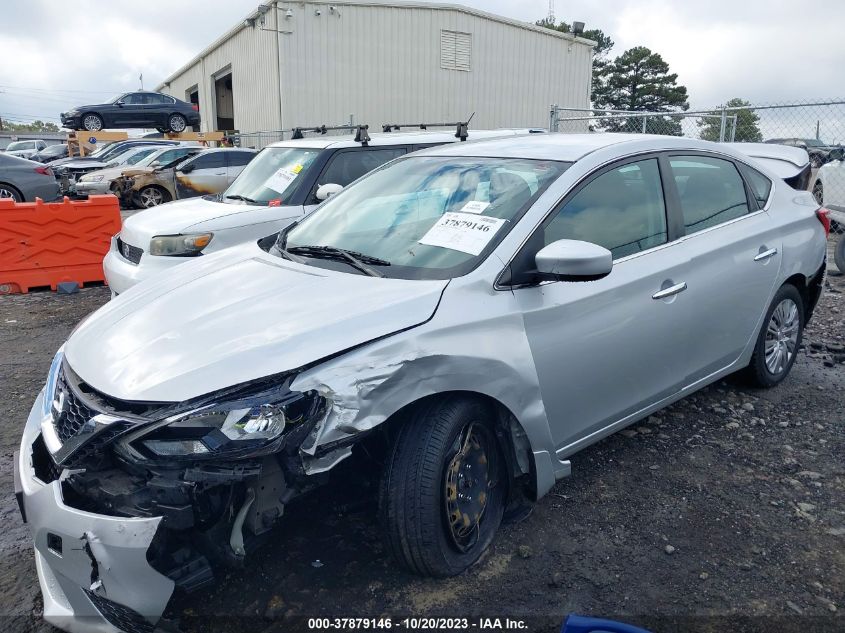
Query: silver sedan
x=468 y=317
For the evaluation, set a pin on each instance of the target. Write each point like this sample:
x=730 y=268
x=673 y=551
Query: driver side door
x=607 y=349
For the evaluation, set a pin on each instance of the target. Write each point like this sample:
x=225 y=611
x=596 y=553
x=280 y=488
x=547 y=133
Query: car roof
x=400 y=138
x=211 y=150
x=573 y=147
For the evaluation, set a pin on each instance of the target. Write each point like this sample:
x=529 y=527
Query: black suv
x=819 y=151
x=133 y=110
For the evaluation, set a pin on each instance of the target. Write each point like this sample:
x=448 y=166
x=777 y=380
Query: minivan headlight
x=180 y=245
x=238 y=428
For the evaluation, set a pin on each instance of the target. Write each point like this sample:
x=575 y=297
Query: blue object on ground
x=582 y=624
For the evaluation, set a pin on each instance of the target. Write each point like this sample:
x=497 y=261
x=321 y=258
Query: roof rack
x=361 y=134
x=461 y=127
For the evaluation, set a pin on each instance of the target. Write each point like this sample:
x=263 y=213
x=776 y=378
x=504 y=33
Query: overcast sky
x=56 y=55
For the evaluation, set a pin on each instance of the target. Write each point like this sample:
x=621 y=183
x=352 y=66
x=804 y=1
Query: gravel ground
x=723 y=512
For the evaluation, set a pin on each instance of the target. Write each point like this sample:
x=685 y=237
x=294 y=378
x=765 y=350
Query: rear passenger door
x=735 y=256
x=347 y=165
x=235 y=162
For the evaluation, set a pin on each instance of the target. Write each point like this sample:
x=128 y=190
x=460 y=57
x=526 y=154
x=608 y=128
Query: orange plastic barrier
x=46 y=243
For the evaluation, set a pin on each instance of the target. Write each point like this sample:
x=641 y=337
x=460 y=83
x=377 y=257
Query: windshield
x=19 y=145
x=105 y=151
x=423 y=217
x=811 y=142
x=123 y=157
x=139 y=155
x=271 y=176
x=50 y=150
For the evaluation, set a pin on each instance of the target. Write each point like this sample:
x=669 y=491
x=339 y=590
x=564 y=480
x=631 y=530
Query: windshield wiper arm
x=240 y=197
x=353 y=258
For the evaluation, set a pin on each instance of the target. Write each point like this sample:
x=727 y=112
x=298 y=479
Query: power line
x=115 y=91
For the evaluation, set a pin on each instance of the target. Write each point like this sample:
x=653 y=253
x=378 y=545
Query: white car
x=829 y=190
x=100 y=181
x=283 y=183
x=26 y=149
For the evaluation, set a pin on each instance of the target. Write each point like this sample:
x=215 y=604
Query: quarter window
x=761 y=186
x=711 y=190
x=622 y=210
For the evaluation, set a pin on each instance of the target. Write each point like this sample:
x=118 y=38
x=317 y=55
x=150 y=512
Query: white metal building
x=304 y=63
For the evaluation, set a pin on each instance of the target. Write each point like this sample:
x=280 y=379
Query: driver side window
x=622 y=210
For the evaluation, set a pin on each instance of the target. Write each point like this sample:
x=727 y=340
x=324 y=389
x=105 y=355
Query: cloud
x=761 y=50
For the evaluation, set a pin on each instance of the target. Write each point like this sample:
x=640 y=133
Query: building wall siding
x=382 y=64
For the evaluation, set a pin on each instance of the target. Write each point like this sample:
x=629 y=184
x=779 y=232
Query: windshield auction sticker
x=465 y=232
x=476 y=206
x=281 y=178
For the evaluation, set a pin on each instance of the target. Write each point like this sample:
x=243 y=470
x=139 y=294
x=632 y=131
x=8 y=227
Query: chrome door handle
x=766 y=255
x=670 y=291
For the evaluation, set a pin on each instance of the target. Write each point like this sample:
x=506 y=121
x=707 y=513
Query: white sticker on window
x=476 y=206
x=281 y=178
x=465 y=232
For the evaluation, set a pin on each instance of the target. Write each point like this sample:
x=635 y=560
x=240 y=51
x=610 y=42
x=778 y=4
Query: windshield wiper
x=353 y=258
x=240 y=197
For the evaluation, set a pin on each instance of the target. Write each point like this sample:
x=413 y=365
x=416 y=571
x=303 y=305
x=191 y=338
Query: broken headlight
x=243 y=427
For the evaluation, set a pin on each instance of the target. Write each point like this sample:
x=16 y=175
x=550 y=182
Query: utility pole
x=551 y=17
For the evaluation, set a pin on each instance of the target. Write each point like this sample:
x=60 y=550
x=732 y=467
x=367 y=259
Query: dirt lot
x=724 y=512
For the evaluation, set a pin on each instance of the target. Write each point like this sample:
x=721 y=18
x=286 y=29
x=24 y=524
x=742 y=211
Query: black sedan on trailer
x=133 y=110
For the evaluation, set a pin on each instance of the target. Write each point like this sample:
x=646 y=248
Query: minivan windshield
x=271 y=176
x=422 y=217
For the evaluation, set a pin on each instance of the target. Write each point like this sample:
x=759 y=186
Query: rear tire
x=8 y=191
x=177 y=123
x=779 y=339
x=839 y=254
x=444 y=487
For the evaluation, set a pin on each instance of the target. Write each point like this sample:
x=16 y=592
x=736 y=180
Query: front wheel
x=92 y=122
x=444 y=487
x=151 y=196
x=779 y=339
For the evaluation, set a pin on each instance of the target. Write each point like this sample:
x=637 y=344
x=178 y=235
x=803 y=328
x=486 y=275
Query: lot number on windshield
x=465 y=232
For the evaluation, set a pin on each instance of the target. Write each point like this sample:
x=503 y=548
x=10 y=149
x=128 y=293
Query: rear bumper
x=92 y=568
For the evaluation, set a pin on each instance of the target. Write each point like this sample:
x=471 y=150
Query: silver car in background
x=471 y=316
x=25 y=180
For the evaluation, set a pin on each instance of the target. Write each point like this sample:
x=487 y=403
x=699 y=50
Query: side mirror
x=574 y=260
x=155 y=164
x=326 y=191
x=187 y=169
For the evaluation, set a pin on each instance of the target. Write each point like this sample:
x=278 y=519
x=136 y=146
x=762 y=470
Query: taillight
x=44 y=171
x=824 y=217
x=196 y=107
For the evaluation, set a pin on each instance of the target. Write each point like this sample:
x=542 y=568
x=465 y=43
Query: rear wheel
x=444 y=487
x=92 y=122
x=152 y=196
x=177 y=123
x=779 y=339
x=839 y=254
x=8 y=191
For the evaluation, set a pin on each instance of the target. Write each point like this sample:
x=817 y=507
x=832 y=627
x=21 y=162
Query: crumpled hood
x=196 y=214
x=236 y=316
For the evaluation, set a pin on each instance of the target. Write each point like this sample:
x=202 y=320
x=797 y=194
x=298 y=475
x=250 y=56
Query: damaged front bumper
x=93 y=569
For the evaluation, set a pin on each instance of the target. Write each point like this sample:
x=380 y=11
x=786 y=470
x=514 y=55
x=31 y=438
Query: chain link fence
x=817 y=126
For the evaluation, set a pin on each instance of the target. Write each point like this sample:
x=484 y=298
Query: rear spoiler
x=792 y=164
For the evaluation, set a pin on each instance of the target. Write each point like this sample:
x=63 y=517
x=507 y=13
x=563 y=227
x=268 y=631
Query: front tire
x=92 y=122
x=444 y=487
x=151 y=196
x=177 y=123
x=779 y=339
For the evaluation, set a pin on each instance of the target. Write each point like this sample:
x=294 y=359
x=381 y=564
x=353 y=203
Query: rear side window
x=761 y=186
x=622 y=210
x=711 y=191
